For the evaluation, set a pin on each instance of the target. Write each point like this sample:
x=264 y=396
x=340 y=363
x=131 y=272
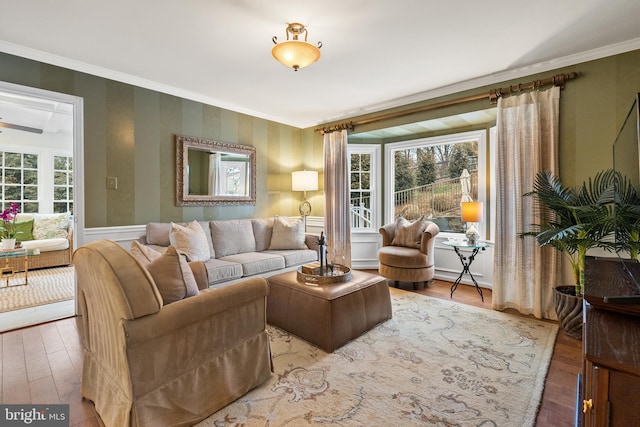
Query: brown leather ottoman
x=328 y=315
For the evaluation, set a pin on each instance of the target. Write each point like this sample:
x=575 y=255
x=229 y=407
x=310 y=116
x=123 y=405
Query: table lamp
x=472 y=213
x=303 y=181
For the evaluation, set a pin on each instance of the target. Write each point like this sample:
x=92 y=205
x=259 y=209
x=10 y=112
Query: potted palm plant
x=572 y=221
x=627 y=218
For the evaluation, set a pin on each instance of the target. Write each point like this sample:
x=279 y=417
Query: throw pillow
x=190 y=240
x=173 y=276
x=287 y=234
x=262 y=230
x=50 y=226
x=409 y=233
x=233 y=236
x=24 y=230
x=144 y=254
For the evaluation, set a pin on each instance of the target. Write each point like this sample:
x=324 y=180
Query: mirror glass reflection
x=211 y=172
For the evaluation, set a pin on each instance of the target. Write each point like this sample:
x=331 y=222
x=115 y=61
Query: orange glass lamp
x=471 y=214
x=295 y=53
x=304 y=181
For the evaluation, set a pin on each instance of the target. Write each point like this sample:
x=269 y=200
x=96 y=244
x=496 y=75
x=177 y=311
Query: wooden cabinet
x=611 y=345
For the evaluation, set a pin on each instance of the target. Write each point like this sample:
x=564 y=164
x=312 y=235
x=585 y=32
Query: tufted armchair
x=407 y=252
x=149 y=364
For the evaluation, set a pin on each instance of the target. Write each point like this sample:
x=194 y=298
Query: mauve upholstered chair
x=413 y=264
x=150 y=364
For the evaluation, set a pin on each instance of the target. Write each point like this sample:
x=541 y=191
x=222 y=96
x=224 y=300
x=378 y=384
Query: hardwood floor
x=43 y=364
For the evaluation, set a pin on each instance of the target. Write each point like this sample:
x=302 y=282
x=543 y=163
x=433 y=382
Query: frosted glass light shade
x=304 y=181
x=296 y=53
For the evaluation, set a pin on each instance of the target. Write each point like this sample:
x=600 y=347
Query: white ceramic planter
x=8 y=243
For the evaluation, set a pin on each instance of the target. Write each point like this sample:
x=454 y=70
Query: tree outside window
x=427 y=180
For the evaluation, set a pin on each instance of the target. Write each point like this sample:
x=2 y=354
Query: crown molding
x=83 y=67
x=490 y=79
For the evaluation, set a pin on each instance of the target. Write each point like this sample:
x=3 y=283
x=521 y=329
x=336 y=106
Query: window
x=19 y=180
x=364 y=170
x=425 y=177
x=38 y=182
x=62 y=184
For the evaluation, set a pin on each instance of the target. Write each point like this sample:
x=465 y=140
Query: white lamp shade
x=472 y=211
x=304 y=180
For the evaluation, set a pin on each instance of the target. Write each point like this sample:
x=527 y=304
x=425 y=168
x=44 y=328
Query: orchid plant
x=9 y=219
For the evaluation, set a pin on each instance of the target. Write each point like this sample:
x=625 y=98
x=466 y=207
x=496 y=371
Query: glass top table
x=466 y=261
x=8 y=272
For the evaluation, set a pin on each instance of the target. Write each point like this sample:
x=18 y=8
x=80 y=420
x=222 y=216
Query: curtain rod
x=492 y=96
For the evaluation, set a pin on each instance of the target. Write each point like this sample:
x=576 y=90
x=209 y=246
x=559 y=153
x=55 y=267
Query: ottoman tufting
x=328 y=315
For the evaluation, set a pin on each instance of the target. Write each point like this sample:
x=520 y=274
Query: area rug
x=436 y=363
x=46 y=285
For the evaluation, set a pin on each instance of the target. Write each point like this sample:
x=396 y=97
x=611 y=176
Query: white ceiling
x=376 y=54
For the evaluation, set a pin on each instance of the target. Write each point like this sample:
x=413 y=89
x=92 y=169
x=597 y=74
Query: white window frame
x=45 y=172
x=479 y=136
x=68 y=187
x=374 y=151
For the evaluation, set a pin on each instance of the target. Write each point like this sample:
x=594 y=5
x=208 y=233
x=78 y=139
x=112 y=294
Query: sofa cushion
x=23 y=230
x=287 y=234
x=50 y=226
x=256 y=262
x=173 y=276
x=190 y=240
x=403 y=257
x=143 y=254
x=158 y=233
x=409 y=233
x=207 y=232
x=221 y=271
x=47 y=245
x=232 y=237
x=262 y=230
x=295 y=256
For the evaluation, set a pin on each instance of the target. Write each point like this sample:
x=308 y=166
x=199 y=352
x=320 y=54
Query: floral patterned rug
x=436 y=363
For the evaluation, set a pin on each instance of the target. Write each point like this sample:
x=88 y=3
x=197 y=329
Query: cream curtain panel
x=336 y=191
x=527 y=142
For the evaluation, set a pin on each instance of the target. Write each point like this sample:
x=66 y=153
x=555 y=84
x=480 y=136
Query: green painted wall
x=129 y=134
x=592 y=110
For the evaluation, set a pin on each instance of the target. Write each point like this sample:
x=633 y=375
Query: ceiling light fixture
x=295 y=53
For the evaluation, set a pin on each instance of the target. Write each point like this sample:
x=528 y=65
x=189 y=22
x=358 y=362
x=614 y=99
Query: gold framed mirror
x=211 y=173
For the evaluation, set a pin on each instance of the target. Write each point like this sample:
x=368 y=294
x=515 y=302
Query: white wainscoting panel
x=364 y=250
x=122 y=235
x=449 y=267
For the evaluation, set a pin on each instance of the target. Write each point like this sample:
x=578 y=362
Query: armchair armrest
x=200 y=273
x=208 y=304
x=427 y=243
x=388 y=232
x=210 y=329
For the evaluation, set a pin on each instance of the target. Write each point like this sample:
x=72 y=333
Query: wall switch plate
x=112 y=183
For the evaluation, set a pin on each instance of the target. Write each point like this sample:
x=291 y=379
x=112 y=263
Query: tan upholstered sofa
x=150 y=364
x=242 y=248
x=54 y=241
x=407 y=252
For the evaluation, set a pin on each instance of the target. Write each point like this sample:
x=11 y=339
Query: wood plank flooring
x=43 y=364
